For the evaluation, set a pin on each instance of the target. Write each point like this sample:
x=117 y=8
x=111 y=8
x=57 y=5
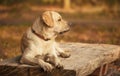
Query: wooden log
x=85 y=58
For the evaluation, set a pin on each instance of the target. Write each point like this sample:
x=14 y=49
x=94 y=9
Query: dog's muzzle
x=64 y=31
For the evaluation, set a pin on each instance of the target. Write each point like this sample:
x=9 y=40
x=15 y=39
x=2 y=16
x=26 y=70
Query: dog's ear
x=47 y=18
x=36 y=25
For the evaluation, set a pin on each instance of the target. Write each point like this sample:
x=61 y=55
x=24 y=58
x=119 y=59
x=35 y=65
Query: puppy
x=38 y=44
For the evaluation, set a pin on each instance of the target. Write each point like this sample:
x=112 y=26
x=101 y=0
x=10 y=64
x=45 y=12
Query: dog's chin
x=63 y=31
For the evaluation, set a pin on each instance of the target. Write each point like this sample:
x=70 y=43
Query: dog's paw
x=59 y=66
x=65 y=54
x=47 y=67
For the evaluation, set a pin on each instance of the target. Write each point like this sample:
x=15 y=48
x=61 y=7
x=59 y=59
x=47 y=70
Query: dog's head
x=50 y=24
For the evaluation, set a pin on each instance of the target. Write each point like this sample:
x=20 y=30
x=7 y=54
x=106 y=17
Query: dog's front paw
x=47 y=67
x=59 y=65
x=65 y=54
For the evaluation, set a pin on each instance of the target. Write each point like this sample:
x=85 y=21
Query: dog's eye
x=59 y=19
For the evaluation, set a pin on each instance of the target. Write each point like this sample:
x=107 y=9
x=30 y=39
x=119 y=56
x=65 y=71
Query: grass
x=10 y=36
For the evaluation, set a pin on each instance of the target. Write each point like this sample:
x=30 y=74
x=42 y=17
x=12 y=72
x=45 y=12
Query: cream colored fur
x=45 y=51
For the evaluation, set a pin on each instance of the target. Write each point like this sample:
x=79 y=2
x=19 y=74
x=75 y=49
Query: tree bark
x=67 y=4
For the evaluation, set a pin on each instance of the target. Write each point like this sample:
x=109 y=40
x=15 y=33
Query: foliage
x=60 y=2
x=10 y=2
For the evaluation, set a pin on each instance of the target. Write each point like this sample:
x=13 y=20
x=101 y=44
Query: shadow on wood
x=12 y=67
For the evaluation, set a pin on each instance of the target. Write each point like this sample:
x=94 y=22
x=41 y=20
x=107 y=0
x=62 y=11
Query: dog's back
x=38 y=44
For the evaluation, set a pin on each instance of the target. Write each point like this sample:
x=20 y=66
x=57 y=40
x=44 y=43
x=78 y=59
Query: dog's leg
x=61 y=52
x=45 y=65
x=53 y=59
x=37 y=60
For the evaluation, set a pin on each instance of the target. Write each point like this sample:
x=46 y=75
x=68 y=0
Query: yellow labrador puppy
x=38 y=44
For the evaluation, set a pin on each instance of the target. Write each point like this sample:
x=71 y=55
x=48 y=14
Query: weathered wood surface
x=85 y=58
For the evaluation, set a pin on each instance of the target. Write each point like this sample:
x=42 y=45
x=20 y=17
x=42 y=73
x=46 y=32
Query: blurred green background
x=93 y=21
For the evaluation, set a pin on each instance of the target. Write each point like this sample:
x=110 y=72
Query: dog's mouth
x=64 y=31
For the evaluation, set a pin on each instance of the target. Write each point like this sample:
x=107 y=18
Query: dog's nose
x=70 y=24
